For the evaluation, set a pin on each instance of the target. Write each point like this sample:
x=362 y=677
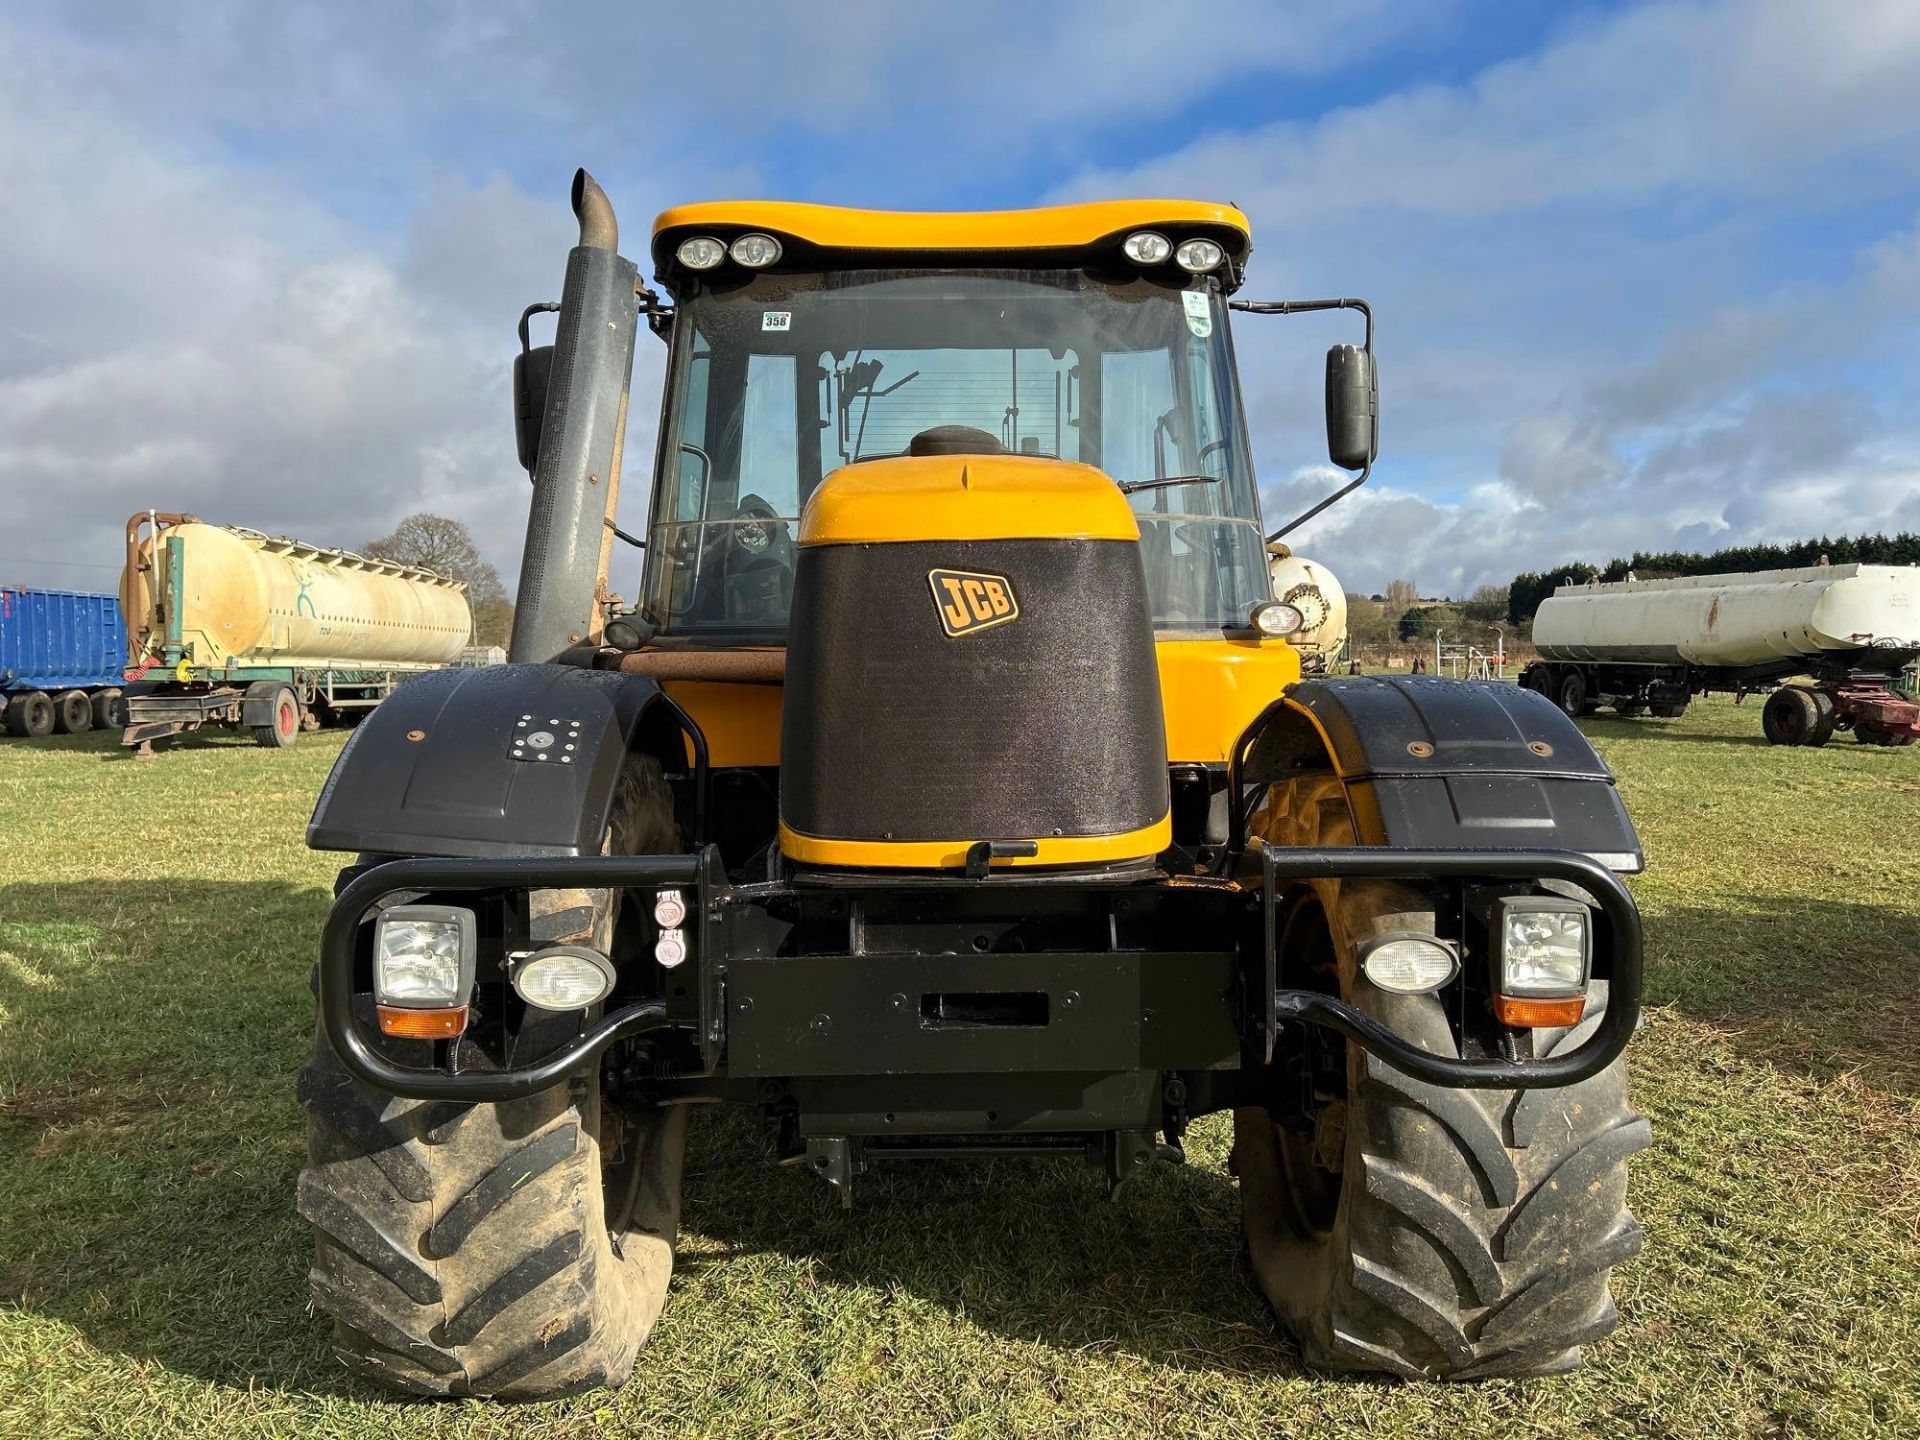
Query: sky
x=1646 y=275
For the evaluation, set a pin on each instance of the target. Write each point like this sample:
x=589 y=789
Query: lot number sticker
x=776 y=320
x=1199 y=316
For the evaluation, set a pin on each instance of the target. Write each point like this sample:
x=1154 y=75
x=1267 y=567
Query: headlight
x=1199 y=256
x=1145 y=247
x=565 y=977
x=756 y=252
x=423 y=956
x=1408 y=964
x=1276 y=618
x=1543 y=946
x=702 y=252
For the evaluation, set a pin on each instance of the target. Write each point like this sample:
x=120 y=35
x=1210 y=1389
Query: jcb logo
x=968 y=601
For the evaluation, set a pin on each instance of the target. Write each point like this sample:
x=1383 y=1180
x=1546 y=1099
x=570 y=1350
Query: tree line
x=1531 y=587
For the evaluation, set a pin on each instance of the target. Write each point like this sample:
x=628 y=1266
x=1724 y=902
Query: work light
x=702 y=252
x=1199 y=256
x=1542 y=946
x=564 y=977
x=756 y=252
x=1145 y=247
x=1408 y=964
x=423 y=970
x=1276 y=618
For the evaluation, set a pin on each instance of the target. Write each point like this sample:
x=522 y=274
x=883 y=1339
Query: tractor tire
x=285 y=728
x=72 y=713
x=1573 y=696
x=1791 y=716
x=1469 y=1234
x=30 y=716
x=109 y=710
x=519 y=1250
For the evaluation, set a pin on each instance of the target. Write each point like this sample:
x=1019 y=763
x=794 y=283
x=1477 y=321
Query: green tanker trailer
x=230 y=627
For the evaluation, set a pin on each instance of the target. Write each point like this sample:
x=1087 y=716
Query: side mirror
x=532 y=369
x=1353 y=408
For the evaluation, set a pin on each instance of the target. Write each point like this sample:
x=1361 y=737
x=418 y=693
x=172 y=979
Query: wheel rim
x=289 y=719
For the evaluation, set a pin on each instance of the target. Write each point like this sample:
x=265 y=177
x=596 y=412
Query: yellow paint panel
x=1058 y=227
x=1210 y=690
x=965 y=497
x=952 y=854
x=741 y=722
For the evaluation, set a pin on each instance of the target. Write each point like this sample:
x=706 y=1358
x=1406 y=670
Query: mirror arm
x=1338 y=495
x=542 y=307
x=1302 y=307
x=659 y=314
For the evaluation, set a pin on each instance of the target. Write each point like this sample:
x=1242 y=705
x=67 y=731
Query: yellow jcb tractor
x=953 y=789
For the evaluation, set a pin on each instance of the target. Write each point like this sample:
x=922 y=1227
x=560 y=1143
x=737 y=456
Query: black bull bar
x=1281 y=866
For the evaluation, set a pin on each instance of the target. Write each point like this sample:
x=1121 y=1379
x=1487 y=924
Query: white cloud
x=1604 y=324
x=1700 y=98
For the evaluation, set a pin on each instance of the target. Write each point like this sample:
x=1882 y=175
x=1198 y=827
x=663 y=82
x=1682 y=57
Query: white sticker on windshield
x=1199 y=312
x=776 y=319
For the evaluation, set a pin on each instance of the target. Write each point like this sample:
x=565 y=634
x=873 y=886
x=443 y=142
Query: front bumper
x=752 y=1013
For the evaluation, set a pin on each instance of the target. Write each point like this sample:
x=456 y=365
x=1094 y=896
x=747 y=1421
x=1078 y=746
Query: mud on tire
x=520 y=1249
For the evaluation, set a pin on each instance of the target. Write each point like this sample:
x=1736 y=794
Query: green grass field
x=157 y=925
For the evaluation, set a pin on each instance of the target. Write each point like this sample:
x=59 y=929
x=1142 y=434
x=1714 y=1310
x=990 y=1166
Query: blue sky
x=1646 y=274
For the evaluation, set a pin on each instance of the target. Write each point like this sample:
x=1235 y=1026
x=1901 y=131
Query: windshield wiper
x=1132 y=487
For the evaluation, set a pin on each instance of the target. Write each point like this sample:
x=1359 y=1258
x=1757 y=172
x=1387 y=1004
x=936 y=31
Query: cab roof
x=1089 y=227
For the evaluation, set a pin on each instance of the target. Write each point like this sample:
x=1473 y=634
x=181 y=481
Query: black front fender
x=1428 y=762
x=504 y=760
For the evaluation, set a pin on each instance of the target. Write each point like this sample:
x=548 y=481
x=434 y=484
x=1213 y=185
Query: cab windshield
x=779 y=380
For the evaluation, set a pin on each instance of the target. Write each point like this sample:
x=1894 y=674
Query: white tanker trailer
x=1642 y=645
x=1310 y=588
x=231 y=627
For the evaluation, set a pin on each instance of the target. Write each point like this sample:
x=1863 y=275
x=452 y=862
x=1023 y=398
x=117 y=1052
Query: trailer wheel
x=1790 y=716
x=1828 y=718
x=30 y=716
x=109 y=710
x=72 y=712
x=1539 y=679
x=519 y=1250
x=1868 y=736
x=1434 y=1233
x=1630 y=708
x=1573 y=694
x=1669 y=712
x=285 y=728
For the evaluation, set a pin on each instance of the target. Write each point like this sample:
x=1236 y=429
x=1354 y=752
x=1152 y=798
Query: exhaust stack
x=576 y=480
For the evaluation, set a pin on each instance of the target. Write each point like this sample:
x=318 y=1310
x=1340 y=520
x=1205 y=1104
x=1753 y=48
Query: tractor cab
x=821 y=357
x=840 y=346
